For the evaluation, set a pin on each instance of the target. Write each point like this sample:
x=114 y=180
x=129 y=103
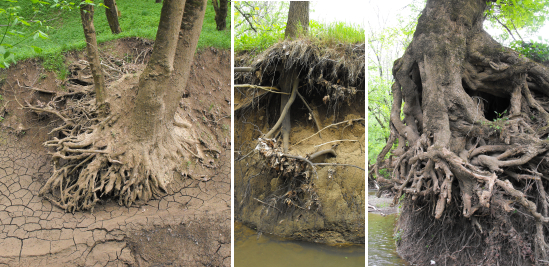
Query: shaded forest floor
x=188 y=226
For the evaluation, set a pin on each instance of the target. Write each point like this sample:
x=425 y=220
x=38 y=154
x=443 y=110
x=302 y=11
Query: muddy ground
x=190 y=226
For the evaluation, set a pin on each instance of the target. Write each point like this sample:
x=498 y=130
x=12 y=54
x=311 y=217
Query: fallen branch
x=266 y=88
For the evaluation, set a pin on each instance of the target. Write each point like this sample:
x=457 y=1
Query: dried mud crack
x=188 y=224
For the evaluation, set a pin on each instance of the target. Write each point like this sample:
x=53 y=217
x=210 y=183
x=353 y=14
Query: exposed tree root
x=95 y=158
x=97 y=165
x=473 y=138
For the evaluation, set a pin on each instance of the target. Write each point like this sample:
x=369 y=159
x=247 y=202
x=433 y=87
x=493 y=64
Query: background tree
x=112 y=16
x=132 y=151
x=220 y=8
x=298 y=15
x=470 y=159
x=86 y=13
x=16 y=29
x=259 y=24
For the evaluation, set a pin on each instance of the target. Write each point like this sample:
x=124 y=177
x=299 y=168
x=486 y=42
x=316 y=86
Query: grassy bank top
x=137 y=19
x=322 y=34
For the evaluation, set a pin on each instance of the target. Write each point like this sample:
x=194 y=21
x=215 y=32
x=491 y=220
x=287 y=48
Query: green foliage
x=398 y=235
x=517 y=19
x=18 y=25
x=537 y=51
x=138 y=19
x=519 y=14
x=258 y=25
x=379 y=110
x=56 y=63
x=261 y=24
x=336 y=32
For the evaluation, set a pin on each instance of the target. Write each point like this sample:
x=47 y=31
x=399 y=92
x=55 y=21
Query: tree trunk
x=148 y=117
x=86 y=13
x=112 y=16
x=158 y=1
x=298 y=19
x=472 y=144
x=134 y=151
x=220 y=8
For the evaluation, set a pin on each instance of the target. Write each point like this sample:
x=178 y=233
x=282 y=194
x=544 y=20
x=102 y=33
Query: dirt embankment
x=277 y=190
x=190 y=226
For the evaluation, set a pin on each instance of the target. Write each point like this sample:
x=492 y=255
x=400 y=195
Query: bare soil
x=338 y=216
x=189 y=226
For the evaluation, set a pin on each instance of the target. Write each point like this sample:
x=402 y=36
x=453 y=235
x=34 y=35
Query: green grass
x=138 y=19
x=325 y=34
x=337 y=32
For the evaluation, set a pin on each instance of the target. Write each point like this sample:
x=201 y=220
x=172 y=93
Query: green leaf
x=7 y=54
x=43 y=35
x=24 y=22
x=37 y=49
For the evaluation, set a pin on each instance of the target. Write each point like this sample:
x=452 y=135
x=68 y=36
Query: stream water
x=381 y=245
x=267 y=250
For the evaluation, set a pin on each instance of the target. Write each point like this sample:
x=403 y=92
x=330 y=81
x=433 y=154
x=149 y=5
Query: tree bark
x=112 y=16
x=148 y=117
x=86 y=13
x=158 y=1
x=298 y=19
x=473 y=134
x=220 y=8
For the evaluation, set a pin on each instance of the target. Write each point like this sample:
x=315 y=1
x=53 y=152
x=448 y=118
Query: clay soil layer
x=189 y=226
x=324 y=205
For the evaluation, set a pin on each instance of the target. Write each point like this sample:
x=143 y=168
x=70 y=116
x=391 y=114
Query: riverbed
x=251 y=249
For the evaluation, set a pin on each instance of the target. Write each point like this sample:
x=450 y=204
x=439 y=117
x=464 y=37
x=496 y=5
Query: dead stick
x=268 y=204
x=243 y=69
x=335 y=124
x=312 y=113
x=266 y=88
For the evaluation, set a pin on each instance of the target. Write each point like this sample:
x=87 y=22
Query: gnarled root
x=476 y=142
x=96 y=164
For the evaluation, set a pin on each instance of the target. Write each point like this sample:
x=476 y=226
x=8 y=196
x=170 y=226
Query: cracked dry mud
x=35 y=233
x=188 y=227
